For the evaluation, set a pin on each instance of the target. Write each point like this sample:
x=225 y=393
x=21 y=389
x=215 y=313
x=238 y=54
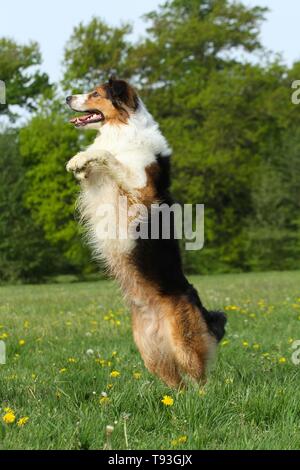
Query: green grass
x=251 y=401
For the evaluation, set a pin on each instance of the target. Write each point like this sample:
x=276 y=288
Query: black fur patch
x=119 y=93
x=215 y=321
x=159 y=261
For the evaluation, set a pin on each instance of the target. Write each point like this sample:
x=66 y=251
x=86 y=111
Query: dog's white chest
x=106 y=219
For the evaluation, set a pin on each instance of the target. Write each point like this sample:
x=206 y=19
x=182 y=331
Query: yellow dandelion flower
x=245 y=344
x=282 y=360
x=26 y=324
x=118 y=323
x=225 y=342
x=114 y=374
x=231 y=307
x=21 y=342
x=137 y=375
x=104 y=400
x=167 y=400
x=9 y=417
x=228 y=380
x=202 y=392
x=4 y=336
x=22 y=421
x=180 y=440
x=106 y=318
x=114 y=353
x=100 y=361
x=63 y=370
x=109 y=386
x=72 y=360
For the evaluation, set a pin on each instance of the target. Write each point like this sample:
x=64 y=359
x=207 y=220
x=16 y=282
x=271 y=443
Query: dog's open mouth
x=89 y=118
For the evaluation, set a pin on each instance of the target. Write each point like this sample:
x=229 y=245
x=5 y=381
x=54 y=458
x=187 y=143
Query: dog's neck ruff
x=140 y=134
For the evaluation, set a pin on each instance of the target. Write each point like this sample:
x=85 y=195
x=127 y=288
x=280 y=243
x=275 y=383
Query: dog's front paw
x=82 y=164
x=77 y=163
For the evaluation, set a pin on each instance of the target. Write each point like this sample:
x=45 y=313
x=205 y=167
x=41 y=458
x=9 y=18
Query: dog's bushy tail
x=215 y=321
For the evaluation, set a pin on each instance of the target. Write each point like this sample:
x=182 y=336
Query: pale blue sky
x=51 y=23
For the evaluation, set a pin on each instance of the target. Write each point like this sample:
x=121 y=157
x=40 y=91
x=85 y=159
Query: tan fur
x=169 y=332
x=112 y=115
x=147 y=194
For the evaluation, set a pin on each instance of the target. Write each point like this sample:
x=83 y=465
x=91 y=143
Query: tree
x=230 y=122
x=273 y=240
x=207 y=101
x=19 y=70
x=24 y=253
x=93 y=52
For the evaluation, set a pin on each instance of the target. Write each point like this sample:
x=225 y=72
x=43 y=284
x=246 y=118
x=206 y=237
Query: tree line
x=234 y=131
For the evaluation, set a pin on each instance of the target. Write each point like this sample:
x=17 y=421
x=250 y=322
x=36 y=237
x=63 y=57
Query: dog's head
x=111 y=103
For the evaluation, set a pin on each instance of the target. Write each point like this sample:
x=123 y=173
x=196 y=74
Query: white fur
x=78 y=102
x=134 y=144
x=122 y=153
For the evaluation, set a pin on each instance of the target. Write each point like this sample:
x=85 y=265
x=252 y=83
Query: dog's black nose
x=68 y=99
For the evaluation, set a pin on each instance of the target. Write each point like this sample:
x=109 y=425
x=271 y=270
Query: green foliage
x=19 y=70
x=231 y=123
x=274 y=230
x=105 y=49
x=222 y=117
x=24 y=253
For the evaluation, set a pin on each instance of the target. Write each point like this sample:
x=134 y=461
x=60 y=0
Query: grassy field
x=72 y=369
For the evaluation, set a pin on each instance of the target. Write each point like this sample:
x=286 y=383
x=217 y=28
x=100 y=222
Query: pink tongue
x=85 y=118
x=80 y=119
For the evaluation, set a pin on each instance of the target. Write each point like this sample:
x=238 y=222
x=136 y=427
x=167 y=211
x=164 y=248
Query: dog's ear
x=120 y=93
x=118 y=89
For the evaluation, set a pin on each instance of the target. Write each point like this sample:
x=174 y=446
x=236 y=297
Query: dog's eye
x=95 y=94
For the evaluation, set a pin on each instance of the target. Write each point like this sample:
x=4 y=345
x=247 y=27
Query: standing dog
x=174 y=333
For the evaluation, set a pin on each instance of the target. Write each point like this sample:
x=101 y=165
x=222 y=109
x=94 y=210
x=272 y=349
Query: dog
x=130 y=158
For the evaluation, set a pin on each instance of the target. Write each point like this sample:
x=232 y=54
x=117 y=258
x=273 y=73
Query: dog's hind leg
x=153 y=345
x=191 y=342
